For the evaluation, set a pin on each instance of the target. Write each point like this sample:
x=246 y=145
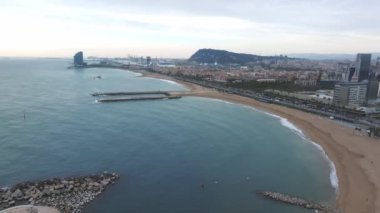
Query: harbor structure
x=297 y=201
x=110 y=97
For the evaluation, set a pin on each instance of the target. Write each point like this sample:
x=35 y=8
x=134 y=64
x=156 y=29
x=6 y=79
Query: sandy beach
x=356 y=157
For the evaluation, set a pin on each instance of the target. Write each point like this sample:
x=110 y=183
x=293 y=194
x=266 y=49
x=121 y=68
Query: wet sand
x=356 y=157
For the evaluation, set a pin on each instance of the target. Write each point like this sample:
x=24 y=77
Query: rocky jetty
x=68 y=195
x=292 y=200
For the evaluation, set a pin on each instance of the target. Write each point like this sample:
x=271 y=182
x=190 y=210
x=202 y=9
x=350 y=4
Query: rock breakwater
x=68 y=195
x=296 y=201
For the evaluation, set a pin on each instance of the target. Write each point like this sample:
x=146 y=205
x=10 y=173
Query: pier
x=297 y=201
x=135 y=96
x=132 y=93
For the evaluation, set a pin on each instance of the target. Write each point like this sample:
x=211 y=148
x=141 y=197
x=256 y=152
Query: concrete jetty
x=134 y=96
x=132 y=93
x=136 y=99
x=297 y=201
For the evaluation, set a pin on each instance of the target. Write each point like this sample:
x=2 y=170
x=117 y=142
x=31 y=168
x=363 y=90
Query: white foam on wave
x=333 y=175
x=165 y=80
x=284 y=122
x=171 y=82
x=287 y=124
x=218 y=100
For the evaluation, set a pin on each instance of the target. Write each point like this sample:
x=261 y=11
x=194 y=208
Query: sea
x=163 y=150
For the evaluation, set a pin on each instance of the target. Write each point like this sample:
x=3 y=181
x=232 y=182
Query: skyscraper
x=363 y=66
x=78 y=59
x=351 y=72
x=148 y=61
x=373 y=89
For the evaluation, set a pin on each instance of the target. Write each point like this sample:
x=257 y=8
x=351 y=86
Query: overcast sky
x=175 y=28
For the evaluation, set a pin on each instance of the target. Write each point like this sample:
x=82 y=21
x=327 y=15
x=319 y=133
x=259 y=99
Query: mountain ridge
x=211 y=56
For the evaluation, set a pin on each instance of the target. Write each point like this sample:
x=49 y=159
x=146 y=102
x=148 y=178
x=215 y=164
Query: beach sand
x=356 y=157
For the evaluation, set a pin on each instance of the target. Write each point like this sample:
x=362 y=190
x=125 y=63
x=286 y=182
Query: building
x=78 y=59
x=351 y=72
x=347 y=71
x=148 y=61
x=353 y=94
x=377 y=67
x=363 y=66
x=372 y=90
x=266 y=80
x=344 y=68
x=306 y=82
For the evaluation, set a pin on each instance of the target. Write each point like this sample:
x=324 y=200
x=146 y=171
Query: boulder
x=11 y=203
x=17 y=194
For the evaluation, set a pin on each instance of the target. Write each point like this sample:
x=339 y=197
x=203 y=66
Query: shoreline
x=334 y=181
x=355 y=158
x=284 y=122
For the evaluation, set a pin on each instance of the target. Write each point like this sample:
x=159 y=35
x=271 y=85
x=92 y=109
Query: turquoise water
x=163 y=150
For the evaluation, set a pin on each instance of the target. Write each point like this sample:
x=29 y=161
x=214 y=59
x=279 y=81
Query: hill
x=225 y=57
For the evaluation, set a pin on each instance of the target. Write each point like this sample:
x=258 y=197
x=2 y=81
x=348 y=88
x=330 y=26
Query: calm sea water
x=163 y=150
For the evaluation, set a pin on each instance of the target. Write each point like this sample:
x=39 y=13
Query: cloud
x=266 y=27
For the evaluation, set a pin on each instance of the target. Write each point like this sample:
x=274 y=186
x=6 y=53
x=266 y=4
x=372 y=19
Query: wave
x=171 y=82
x=137 y=74
x=333 y=175
x=220 y=101
x=334 y=181
x=165 y=80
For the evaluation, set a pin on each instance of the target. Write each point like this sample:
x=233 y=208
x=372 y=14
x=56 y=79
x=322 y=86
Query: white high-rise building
x=353 y=94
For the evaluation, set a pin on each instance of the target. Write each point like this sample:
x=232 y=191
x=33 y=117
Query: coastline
x=355 y=158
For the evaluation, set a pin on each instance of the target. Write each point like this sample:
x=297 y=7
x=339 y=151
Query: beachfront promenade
x=287 y=103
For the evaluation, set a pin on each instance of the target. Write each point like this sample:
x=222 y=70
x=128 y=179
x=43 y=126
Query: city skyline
x=177 y=29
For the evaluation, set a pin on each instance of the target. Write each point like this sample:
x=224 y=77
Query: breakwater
x=68 y=195
x=131 y=93
x=134 y=96
x=297 y=201
x=136 y=99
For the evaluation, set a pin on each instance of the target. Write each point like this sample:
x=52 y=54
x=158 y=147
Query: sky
x=178 y=28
